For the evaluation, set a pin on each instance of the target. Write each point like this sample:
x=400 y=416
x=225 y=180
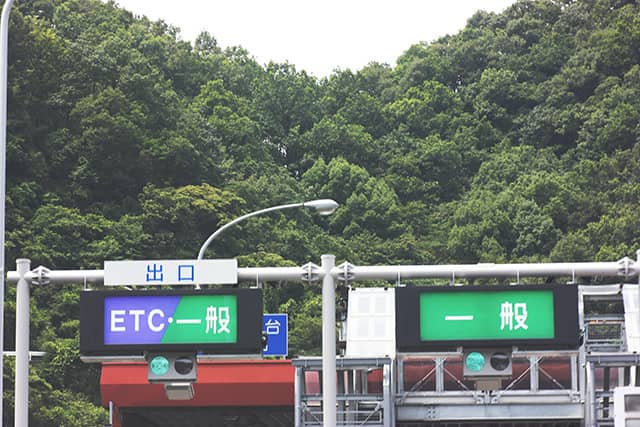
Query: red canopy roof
x=248 y=383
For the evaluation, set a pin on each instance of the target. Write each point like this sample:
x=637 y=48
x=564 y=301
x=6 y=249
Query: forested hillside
x=515 y=140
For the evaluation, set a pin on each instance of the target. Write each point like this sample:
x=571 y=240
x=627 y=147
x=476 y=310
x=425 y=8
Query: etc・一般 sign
x=226 y=321
x=170 y=319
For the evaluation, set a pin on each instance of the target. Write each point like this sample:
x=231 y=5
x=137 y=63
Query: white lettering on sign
x=521 y=315
x=509 y=311
x=152 y=326
x=171 y=272
x=223 y=314
x=116 y=320
x=217 y=319
x=272 y=327
x=136 y=318
x=211 y=319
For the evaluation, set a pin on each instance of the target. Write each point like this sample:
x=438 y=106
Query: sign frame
x=249 y=324
x=408 y=318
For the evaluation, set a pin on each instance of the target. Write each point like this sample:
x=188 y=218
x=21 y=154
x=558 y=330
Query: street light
x=322 y=206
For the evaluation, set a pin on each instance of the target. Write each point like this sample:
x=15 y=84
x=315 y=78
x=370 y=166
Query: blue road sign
x=275 y=326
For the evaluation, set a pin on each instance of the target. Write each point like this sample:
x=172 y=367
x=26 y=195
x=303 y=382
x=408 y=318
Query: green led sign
x=490 y=315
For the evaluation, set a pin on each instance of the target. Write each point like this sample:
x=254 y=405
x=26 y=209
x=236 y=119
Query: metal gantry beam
x=624 y=268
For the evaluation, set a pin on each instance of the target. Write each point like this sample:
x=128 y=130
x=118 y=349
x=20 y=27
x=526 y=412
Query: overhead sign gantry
x=328 y=273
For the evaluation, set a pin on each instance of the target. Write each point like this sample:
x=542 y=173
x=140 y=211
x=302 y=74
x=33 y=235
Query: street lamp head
x=323 y=206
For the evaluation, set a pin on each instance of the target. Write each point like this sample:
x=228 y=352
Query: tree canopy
x=514 y=140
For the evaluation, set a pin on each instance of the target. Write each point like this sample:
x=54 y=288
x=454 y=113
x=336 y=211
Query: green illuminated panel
x=203 y=319
x=489 y=315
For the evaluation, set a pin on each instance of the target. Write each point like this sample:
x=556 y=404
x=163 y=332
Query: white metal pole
x=265 y=274
x=4 y=50
x=44 y=276
x=625 y=267
x=297 y=402
x=22 y=345
x=329 y=376
x=636 y=377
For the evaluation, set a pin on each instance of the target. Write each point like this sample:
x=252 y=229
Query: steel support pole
x=297 y=400
x=534 y=373
x=4 y=53
x=440 y=374
x=574 y=373
x=387 y=395
x=591 y=403
x=635 y=379
x=22 y=345
x=329 y=376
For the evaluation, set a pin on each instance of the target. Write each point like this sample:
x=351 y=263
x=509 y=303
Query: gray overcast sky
x=317 y=36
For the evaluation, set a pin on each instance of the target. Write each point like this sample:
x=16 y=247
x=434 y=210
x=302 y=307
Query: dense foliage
x=515 y=140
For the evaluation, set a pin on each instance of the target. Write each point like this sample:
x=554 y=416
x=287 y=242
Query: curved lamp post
x=322 y=206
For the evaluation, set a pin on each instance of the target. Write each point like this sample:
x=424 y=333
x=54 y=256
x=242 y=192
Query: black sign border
x=566 y=326
x=249 y=324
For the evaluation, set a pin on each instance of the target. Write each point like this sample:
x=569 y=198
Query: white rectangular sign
x=171 y=272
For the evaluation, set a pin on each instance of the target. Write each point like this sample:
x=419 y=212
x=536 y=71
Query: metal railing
x=364 y=392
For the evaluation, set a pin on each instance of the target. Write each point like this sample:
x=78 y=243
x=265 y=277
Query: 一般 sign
x=213 y=320
x=499 y=315
x=437 y=317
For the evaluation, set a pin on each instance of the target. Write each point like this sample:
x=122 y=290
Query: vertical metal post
x=591 y=405
x=387 y=396
x=605 y=386
x=4 y=50
x=574 y=373
x=342 y=390
x=297 y=401
x=439 y=374
x=22 y=345
x=350 y=415
x=400 y=374
x=582 y=359
x=534 y=374
x=329 y=377
x=637 y=368
x=394 y=390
